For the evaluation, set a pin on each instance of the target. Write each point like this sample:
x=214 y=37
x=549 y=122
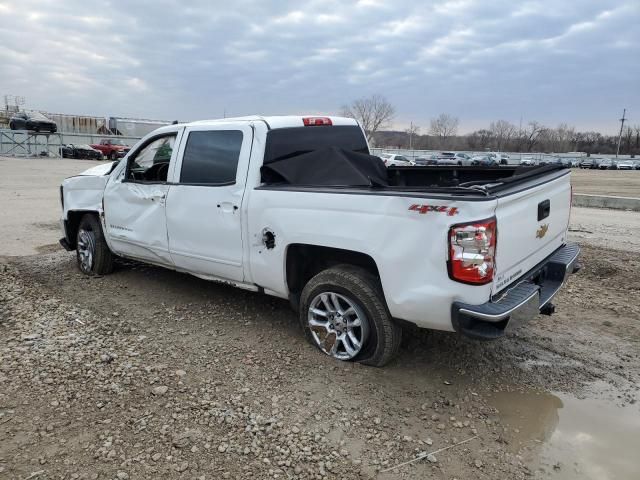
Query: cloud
x=539 y=59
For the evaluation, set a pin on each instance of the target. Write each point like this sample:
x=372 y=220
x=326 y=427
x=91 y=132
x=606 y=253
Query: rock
x=30 y=337
x=182 y=467
x=223 y=447
x=428 y=441
x=122 y=475
x=160 y=390
x=377 y=420
x=479 y=463
x=106 y=358
x=156 y=456
x=431 y=458
x=180 y=373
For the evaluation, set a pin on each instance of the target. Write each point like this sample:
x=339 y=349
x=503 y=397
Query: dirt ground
x=30 y=200
x=148 y=373
x=618 y=183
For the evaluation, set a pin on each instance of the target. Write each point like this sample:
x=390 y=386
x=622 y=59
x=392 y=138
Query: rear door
x=204 y=201
x=532 y=224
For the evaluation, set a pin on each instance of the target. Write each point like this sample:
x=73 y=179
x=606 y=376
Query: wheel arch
x=72 y=223
x=304 y=261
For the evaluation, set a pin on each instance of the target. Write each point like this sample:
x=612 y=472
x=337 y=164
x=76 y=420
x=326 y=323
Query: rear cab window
x=289 y=142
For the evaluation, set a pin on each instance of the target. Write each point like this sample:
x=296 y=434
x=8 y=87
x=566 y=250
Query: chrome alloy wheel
x=338 y=325
x=86 y=250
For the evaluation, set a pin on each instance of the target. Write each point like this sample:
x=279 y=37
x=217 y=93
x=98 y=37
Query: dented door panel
x=135 y=217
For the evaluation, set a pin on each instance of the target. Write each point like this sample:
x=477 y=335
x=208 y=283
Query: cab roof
x=283 y=121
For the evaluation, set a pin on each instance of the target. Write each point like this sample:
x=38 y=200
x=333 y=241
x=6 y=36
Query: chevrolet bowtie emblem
x=542 y=231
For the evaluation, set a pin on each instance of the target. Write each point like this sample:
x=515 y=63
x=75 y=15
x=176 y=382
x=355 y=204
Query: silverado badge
x=542 y=231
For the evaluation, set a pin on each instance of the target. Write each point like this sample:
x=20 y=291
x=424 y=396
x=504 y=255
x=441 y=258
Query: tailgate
x=532 y=224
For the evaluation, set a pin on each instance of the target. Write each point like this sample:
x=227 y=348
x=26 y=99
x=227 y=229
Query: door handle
x=157 y=196
x=227 y=207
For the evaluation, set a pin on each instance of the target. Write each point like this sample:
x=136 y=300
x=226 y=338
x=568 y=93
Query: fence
x=20 y=143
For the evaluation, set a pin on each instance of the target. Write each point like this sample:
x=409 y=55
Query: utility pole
x=411 y=136
x=624 y=111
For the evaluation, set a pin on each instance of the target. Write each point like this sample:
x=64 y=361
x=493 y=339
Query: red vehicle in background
x=111 y=148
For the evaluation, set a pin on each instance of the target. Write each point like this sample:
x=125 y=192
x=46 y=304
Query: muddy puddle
x=587 y=439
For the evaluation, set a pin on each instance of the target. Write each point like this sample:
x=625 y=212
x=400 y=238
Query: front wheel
x=92 y=253
x=113 y=156
x=343 y=313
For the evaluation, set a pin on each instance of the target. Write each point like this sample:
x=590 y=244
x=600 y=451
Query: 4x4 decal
x=450 y=211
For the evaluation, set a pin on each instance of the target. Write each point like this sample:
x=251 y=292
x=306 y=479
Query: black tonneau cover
x=329 y=166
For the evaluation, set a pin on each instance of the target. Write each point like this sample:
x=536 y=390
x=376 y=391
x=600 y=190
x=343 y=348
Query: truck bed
x=491 y=179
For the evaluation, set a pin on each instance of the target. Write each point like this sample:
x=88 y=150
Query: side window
x=211 y=157
x=151 y=164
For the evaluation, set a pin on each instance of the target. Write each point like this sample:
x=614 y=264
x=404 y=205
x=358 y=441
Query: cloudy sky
x=548 y=60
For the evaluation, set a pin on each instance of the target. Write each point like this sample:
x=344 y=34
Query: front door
x=135 y=200
x=204 y=203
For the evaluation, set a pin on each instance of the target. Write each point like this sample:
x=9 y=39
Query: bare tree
x=503 y=132
x=532 y=134
x=372 y=113
x=412 y=131
x=443 y=127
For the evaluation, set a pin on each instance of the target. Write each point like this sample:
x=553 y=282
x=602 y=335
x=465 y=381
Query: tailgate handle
x=544 y=209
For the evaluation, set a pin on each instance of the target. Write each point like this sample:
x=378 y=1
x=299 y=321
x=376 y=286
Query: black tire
x=113 y=156
x=90 y=238
x=362 y=288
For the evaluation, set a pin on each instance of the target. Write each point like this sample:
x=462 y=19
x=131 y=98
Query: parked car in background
x=626 y=165
x=484 y=161
x=459 y=157
x=112 y=148
x=551 y=161
x=637 y=164
x=430 y=160
x=607 y=164
x=32 y=121
x=588 y=163
x=528 y=161
x=447 y=161
x=500 y=158
x=80 y=151
x=395 y=160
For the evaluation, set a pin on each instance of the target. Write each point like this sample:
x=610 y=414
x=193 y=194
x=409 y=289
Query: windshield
x=38 y=116
x=290 y=142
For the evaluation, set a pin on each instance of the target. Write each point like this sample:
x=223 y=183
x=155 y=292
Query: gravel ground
x=148 y=373
x=620 y=183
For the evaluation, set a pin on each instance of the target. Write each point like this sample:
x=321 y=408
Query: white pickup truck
x=296 y=207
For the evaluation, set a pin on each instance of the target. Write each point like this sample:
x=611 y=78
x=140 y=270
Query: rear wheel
x=113 y=156
x=343 y=313
x=92 y=253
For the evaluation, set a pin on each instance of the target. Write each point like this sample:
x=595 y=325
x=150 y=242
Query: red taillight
x=316 y=121
x=472 y=251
